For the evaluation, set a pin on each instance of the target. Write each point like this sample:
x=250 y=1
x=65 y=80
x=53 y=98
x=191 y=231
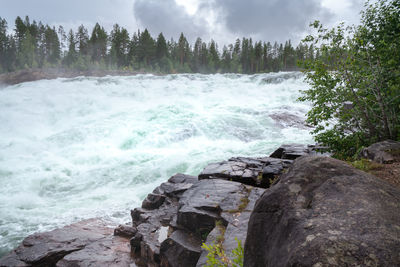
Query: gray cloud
x=261 y=19
x=71 y=13
x=270 y=19
x=169 y=18
x=223 y=20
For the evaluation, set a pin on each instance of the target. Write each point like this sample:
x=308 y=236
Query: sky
x=221 y=20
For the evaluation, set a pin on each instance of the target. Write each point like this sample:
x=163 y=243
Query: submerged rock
x=285 y=119
x=324 y=212
x=382 y=152
x=85 y=243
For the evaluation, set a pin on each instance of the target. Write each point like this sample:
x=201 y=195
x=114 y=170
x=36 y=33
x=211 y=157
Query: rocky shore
x=54 y=73
x=293 y=208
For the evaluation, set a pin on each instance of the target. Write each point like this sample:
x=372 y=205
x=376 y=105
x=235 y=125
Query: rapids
x=85 y=147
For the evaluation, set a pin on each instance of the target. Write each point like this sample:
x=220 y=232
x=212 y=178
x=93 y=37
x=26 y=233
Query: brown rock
x=79 y=244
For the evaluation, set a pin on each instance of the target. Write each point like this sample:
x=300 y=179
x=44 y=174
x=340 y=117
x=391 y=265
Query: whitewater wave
x=76 y=148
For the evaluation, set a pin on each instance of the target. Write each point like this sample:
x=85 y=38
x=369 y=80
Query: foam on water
x=78 y=148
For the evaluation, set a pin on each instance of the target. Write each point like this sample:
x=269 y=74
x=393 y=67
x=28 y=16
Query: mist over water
x=77 y=148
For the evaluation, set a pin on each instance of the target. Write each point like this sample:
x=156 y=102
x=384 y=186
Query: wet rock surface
x=250 y=171
x=293 y=151
x=172 y=234
x=382 y=152
x=324 y=212
x=155 y=219
x=285 y=119
x=234 y=225
x=84 y=243
x=313 y=210
x=182 y=248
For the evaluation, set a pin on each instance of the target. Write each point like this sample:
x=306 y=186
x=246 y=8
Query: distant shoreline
x=29 y=75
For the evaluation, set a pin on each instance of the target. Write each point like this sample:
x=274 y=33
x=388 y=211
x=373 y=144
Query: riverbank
x=294 y=200
x=30 y=75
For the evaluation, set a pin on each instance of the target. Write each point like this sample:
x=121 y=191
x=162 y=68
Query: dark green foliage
x=355 y=82
x=72 y=55
x=161 y=47
x=98 y=43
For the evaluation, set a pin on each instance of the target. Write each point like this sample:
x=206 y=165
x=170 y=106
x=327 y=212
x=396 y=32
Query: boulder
x=203 y=204
x=249 y=171
x=324 y=212
x=293 y=151
x=382 y=152
x=90 y=241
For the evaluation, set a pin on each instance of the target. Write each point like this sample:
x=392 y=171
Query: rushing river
x=85 y=147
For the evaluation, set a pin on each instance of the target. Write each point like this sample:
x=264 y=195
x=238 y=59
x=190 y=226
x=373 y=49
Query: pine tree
x=183 y=47
x=161 y=47
x=213 y=62
x=52 y=45
x=72 y=55
x=146 y=48
x=3 y=44
x=82 y=39
x=98 y=43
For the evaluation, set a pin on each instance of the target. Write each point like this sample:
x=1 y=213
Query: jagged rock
x=324 y=212
x=235 y=229
x=176 y=185
x=125 y=231
x=153 y=220
x=202 y=205
x=250 y=171
x=171 y=235
x=93 y=236
x=153 y=201
x=181 y=249
x=382 y=152
x=293 y=151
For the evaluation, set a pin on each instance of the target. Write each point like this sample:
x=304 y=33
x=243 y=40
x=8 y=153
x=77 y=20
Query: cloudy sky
x=222 y=20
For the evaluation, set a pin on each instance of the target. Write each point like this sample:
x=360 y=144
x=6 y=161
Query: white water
x=78 y=148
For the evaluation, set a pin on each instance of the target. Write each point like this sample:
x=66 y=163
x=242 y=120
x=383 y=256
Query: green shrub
x=217 y=256
x=355 y=80
x=365 y=165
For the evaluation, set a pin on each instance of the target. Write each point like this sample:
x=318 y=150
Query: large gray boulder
x=324 y=212
x=382 y=152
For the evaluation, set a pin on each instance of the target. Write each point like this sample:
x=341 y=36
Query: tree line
x=35 y=45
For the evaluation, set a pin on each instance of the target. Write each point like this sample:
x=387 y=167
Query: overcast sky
x=222 y=20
